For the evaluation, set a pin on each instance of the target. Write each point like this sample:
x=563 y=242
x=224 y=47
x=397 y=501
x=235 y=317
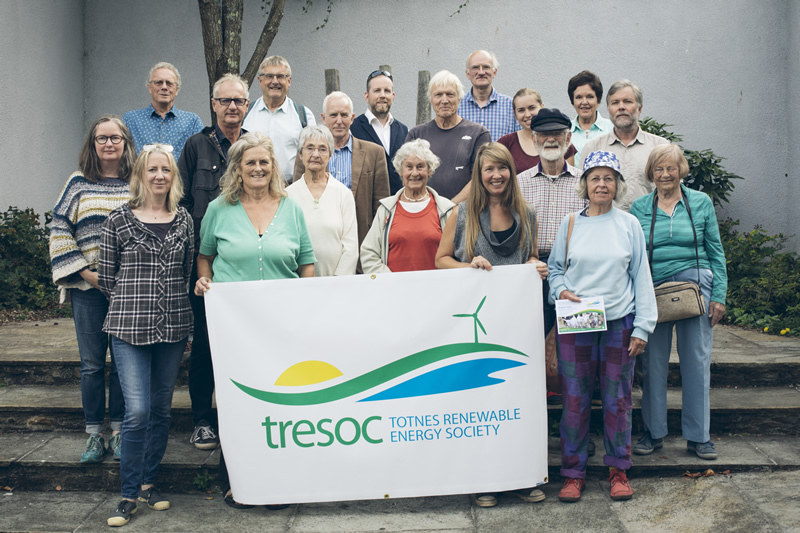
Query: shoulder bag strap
x=569 y=236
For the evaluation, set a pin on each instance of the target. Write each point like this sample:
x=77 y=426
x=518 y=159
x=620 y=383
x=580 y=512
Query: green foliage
x=25 y=261
x=706 y=172
x=763 y=280
x=202 y=480
x=329 y=8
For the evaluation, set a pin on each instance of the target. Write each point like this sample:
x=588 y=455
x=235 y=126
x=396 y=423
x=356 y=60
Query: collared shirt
x=580 y=136
x=341 y=164
x=283 y=126
x=223 y=142
x=175 y=128
x=146 y=278
x=497 y=116
x=383 y=132
x=632 y=159
x=553 y=198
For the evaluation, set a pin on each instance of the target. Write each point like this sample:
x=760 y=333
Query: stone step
x=46 y=461
x=742 y=410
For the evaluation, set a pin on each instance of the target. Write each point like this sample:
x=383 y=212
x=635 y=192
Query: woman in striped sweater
x=100 y=186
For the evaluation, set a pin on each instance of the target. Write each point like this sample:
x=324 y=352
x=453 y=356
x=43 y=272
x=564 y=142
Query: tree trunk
x=222 y=39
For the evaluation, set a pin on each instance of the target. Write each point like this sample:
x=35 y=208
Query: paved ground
x=730 y=503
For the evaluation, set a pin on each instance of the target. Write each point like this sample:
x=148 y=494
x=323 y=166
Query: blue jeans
x=694 y=350
x=89 y=310
x=147 y=375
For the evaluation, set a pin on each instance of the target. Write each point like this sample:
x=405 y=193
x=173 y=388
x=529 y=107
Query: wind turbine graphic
x=475 y=317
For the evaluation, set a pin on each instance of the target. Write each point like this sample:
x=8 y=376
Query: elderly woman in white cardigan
x=327 y=204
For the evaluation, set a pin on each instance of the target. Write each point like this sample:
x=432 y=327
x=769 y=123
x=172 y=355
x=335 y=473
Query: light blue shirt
x=497 y=116
x=341 y=164
x=600 y=127
x=147 y=127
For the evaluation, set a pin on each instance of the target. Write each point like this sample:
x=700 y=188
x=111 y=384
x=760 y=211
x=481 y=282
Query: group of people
x=267 y=193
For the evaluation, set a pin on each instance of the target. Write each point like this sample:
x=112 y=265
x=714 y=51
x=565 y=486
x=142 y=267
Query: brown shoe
x=571 y=490
x=620 y=487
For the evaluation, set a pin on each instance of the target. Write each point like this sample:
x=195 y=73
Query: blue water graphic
x=456 y=377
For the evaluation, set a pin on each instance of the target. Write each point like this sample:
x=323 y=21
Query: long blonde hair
x=231 y=181
x=138 y=189
x=478 y=197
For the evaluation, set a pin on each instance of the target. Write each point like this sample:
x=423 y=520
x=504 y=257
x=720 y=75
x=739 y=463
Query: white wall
x=715 y=69
x=41 y=118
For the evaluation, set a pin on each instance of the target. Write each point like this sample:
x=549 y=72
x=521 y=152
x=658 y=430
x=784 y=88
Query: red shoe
x=620 y=487
x=571 y=490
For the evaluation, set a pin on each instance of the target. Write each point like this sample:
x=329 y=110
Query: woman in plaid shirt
x=146 y=251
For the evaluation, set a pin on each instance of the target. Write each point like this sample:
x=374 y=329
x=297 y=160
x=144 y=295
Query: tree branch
x=265 y=40
x=211 y=20
x=232 y=12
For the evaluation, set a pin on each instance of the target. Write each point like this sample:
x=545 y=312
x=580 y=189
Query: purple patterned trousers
x=580 y=357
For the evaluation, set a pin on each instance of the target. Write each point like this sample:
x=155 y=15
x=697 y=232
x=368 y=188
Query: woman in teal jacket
x=682 y=217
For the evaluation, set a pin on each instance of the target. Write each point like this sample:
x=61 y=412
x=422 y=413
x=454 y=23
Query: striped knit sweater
x=78 y=216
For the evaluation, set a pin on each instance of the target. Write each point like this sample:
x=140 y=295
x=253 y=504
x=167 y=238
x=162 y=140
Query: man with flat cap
x=550 y=188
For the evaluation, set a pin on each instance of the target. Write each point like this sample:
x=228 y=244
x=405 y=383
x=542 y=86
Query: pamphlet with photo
x=578 y=317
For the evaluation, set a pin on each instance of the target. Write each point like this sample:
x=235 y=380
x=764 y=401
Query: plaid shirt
x=552 y=198
x=497 y=116
x=146 y=279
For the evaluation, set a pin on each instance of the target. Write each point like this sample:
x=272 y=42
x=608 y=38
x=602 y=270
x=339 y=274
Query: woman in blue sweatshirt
x=600 y=251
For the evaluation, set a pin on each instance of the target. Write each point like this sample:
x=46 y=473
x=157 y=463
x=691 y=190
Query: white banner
x=379 y=386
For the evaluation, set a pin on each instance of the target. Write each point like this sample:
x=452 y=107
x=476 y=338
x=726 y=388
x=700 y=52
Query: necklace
x=415 y=200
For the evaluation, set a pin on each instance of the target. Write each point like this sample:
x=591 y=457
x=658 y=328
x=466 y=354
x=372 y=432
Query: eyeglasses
x=157 y=146
x=376 y=73
x=270 y=77
x=669 y=170
x=159 y=83
x=478 y=68
x=311 y=149
x=103 y=139
x=226 y=102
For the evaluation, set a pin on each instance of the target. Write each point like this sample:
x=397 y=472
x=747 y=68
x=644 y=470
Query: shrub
x=705 y=169
x=25 y=261
x=763 y=280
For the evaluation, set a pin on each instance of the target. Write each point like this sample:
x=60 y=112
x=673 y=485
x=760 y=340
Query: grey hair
x=621 y=84
x=317 y=131
x=419 y=148
x=445 y=78
x=276 y=61
x=231 y=77
x=336 y=94
x=583 y=191
x=168 y=66
x=495 y=64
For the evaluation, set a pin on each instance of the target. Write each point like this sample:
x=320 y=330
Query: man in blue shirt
x=161 y=122
x=484 y=105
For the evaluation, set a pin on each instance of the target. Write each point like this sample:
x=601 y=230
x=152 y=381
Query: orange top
x=414 y=239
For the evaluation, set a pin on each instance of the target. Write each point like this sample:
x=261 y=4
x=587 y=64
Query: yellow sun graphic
x=307 y=373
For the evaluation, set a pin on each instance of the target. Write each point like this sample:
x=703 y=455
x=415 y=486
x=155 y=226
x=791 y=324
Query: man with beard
x=628 y=141
x=378 y=125
x=550 y=188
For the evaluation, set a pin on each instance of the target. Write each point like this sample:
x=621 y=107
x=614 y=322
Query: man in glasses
x=202 y=164
x=276 y=114
x=161 y=122
x=377 y=125
x=483 y=104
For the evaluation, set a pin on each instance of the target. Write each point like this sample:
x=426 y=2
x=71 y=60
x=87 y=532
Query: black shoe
x=592 y=448
x=647 y=444
x=152 y=497
x=204 y=437
x=230 y=502
x=123 y=513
